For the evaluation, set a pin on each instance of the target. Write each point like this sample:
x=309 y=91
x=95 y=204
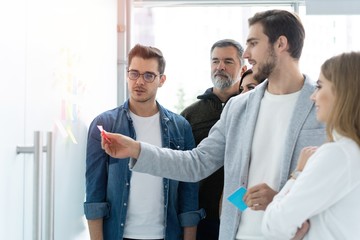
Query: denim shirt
x=108 y=179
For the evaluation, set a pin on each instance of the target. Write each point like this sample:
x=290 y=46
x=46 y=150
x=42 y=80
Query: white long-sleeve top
x=327 y=193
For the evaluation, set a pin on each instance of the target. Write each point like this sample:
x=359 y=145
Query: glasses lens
x=149 y=77
x=133 y=75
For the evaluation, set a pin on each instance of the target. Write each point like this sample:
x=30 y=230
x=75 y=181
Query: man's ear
x=282 y=43
x=162 y=80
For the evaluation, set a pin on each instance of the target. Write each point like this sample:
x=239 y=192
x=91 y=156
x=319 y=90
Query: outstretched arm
x=120 y=146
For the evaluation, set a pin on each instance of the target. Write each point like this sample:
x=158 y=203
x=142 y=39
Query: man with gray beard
x=227 y=66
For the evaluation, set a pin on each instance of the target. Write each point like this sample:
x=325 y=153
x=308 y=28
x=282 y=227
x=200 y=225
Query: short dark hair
x=147 y=52
x=247 y=72
x=278 y=23
x=230 y=42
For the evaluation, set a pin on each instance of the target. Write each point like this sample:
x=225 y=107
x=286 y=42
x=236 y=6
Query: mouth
x=138 y=90
x=221 y=75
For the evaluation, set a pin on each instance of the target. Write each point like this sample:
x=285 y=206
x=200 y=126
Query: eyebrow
x=215 y=58
x=251 y=39
x=143 y=72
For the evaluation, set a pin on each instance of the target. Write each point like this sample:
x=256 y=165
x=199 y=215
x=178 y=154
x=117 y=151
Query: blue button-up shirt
x=108 y=179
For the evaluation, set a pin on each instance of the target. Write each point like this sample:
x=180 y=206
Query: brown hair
x=147 y=52
x=344 y=73
x=278 y=23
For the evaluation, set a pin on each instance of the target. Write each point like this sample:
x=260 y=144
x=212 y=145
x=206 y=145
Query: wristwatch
x=295 y=174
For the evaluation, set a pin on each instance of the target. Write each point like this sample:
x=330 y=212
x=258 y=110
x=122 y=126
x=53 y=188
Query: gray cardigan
x=229 y=144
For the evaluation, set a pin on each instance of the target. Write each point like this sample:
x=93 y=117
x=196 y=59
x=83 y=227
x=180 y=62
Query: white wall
x=58 y=71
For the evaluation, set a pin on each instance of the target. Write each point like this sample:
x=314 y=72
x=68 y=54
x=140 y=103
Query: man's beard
x=267 y=68
x=222 y=81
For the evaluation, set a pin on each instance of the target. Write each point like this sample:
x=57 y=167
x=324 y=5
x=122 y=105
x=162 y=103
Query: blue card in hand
x=237 y=198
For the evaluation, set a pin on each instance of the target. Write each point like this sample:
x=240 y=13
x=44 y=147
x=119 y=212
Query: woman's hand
x=301 y=232
x=305 y=154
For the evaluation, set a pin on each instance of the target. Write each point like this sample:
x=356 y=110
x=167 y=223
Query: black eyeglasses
x=147 y=76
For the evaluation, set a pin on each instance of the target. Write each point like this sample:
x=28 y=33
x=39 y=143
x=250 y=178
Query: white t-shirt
x=266 y=154
x=145 y=215
x=327 y=193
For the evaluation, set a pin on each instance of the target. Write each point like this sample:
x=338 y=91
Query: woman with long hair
x=324 y=190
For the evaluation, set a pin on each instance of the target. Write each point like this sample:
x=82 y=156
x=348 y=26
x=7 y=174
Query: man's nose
x=246 y=54
x=221 y=65
x=140 y=80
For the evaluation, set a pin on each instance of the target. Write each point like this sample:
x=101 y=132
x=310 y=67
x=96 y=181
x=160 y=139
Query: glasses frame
x=143 y=75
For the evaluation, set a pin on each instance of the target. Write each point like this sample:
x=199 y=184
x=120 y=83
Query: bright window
x=186 y=34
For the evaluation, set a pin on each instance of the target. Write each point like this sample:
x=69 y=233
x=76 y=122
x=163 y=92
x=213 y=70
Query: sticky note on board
x=236 y=198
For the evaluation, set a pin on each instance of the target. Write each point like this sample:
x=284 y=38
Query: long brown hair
x=343 y=71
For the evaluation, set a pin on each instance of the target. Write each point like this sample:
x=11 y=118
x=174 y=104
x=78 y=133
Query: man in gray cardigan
x=259 y=135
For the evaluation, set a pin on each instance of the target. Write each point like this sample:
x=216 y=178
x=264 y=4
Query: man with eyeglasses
x=227 y=66
x=121 y=204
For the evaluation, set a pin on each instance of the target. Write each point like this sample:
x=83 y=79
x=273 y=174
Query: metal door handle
x=38 y=150
x=49 y=180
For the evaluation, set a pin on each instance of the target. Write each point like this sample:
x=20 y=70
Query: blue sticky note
x=237 y=198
